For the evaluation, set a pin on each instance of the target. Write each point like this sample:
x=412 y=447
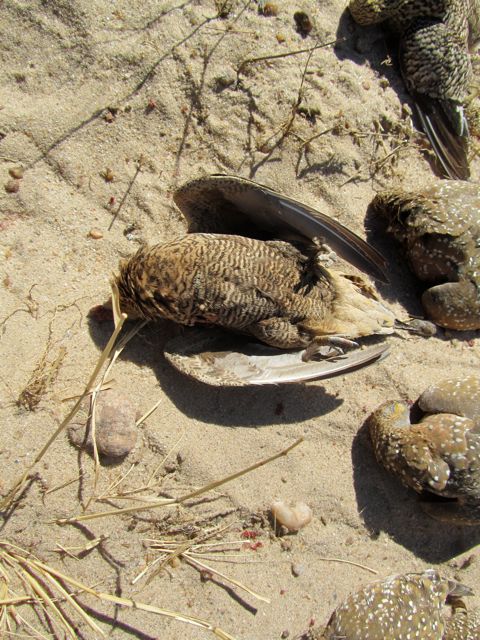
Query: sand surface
x=150 y=95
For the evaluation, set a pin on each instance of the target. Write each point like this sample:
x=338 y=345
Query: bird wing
x=214 y=358
x=450 y=148
x=436 y=69
x=229 y=204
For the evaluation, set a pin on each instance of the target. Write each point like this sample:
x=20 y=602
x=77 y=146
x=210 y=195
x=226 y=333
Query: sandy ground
x=151 y=93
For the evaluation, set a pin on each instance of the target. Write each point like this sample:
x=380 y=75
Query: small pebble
x=298 y=569
x=115 y=428
x=95 y=234
x=226 y=78
x=303 y=23
x=292 y=517
x=16 y=172
x=12 y=186
x=107 y=175
x=268 y=9
x=285 y=633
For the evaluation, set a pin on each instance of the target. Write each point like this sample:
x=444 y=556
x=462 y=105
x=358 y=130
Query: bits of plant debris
x=223 y=8
x=16 y=172
x=110 y=114
x=107 y=175
x=12 y=186
x=303 y=23
x=95 y=234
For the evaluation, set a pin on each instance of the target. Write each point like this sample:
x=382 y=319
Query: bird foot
x=423 y=328
x=324 y=256
x=327 y=347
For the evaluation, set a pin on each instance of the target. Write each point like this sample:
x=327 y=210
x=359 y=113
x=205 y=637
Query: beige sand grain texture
x=108 y=107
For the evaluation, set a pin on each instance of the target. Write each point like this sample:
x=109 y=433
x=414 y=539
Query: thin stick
x=63 y=485
x=147 y=414
x=96 y=457
x=203 y=567
x=285 y=55
x=355 y=564
x=184 y=498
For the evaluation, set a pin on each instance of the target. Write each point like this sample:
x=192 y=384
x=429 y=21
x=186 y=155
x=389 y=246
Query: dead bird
x=435 y=38
x=271 y=287
x=441 y=454
x=439 y=228
x=401 y=607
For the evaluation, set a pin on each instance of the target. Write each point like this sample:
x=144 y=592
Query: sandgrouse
x=441 y=454
x=440 y=229
x=403 y=607
x=435 y=38
x=271 y=286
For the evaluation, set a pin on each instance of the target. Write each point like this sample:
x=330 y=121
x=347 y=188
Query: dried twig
x=275 y=56
x=185 y=497
x=21 y=482
x=45 y=587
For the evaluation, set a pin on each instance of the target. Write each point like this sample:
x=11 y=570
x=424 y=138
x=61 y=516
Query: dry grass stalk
x=287 y=54
x=21 y=482
x=191 y=551
x=40 y=582
x=152 y=482
x=184 y=498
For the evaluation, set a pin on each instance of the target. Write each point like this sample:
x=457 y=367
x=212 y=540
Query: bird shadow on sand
x=233 y=407
x=402 y=287
x=385 y=505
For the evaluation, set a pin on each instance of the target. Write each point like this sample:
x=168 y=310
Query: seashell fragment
x=293 y=517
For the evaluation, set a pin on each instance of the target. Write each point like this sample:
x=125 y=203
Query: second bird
x=435 y=39
x=277 y=291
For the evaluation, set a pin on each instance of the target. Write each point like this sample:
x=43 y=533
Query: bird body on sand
x=252 y=265
x=439 y=228
x=402 y=607
x=435 y=38
x=267 y=289
x=441 y=454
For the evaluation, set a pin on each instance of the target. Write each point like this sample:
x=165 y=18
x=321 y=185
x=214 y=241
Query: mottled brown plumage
x=435 y=37
x=402 y=607
x=441 y=454
x=440 y=230
x=276 y=291
x=269 y=290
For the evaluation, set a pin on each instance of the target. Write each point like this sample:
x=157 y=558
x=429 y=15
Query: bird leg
x=335 y=346
x=423 y=328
